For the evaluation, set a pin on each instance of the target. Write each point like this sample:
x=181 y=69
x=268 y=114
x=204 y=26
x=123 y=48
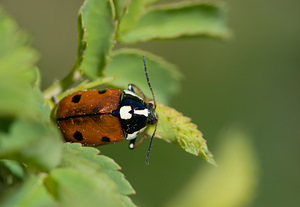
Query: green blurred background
x=251 y=81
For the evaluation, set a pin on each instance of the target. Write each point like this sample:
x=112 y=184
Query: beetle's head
x=152 y=116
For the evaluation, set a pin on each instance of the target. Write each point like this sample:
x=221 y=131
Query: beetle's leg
x=131 y=143
x=141 y=141
x=53 y=98
x=130 y=88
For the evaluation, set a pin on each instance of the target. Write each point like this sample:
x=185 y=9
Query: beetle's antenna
x=147 y=159
x=148 y=81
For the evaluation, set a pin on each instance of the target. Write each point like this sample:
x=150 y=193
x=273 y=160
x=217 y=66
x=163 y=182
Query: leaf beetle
x=97 y=117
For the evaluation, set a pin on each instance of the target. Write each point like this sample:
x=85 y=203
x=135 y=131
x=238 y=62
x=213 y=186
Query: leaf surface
x=97 y=29
x=102 y=172
x=34 y=143
x=175 y=128
x=17 y=74
x=32 y=193
x=185 y=19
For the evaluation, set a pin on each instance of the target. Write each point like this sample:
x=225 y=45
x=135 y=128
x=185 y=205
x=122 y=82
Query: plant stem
x=59 y=86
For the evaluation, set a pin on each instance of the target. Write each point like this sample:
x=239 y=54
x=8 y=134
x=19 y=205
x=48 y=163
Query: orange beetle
x=97 y=117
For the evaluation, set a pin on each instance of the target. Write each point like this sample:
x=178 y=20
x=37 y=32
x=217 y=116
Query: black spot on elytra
x=102 y=91
x=105 y=139
x=78 y=136
x=76 y=98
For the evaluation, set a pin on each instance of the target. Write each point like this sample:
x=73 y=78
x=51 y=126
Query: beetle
x=97 y=117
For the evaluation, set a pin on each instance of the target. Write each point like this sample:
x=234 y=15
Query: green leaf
x=175 y=128
x=87 y=159
x=37 y=79
x=42 y=108
x=17 y=74
x=15 y=55
x=30 y=194
x=121 y=8
x=17 y=99
x=97 y=26
x=11 y=172
x=82 y=42
x=77 y=188
x=153 y=1
x=25 y=132
x=36 y=144
x=131 y=16
x=84 y=176
x=127 y=65
x=232 y=184
x=14 y=167
x=176 y=20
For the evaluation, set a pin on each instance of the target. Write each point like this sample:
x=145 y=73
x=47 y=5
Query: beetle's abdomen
x=92 y=130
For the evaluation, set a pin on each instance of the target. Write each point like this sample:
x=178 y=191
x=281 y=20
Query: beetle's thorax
x=135 y=114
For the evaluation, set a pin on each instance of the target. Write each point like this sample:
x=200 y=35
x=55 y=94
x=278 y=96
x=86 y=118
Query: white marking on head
x=135 y=134
x=144 y=112
x=124 y=112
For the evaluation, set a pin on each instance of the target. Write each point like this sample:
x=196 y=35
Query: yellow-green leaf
x=232 y=184
x=178 y=129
